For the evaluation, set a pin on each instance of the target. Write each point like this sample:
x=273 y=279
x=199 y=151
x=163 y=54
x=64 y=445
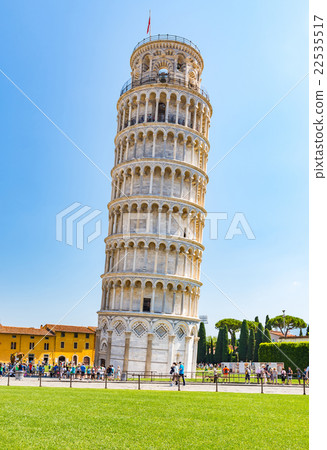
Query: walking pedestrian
x=181 y=372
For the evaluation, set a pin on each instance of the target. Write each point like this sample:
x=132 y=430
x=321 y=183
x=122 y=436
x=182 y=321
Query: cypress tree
x=301 y=334
x=251 y=346
x=225 y=348
x=219 y=346
x=256 y=319
x=202 y=344
x=211 y=353
x=266 y=337
x=307 y=332
x=244 y=341
x=267 y=323
x=258 y=340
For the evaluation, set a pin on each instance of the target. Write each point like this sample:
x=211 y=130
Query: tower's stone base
x=142 y=344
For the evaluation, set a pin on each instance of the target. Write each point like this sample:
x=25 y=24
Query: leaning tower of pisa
x=151 y=282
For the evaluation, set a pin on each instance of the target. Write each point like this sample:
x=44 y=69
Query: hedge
x=298 y=353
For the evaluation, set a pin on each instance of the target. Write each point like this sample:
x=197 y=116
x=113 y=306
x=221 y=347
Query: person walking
x=247 y=375
x=298 y=375
x=175 y=374
x=118 y=376
x=181 y=372
x=275 y=375
x=289 y=375
x=215 y=374
x=283 y=375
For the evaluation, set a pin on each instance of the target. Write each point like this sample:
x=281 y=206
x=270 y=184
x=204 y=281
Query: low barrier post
x=217 y=384
x=40 y=379
x=106 y=381
x=70 y=380
x=8 y=379
x=304 y=385
x=179 y=383
x=139 y=382
x=261 y=385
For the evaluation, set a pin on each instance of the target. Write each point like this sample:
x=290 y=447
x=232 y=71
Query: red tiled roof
x=23 y=330
x=278 y=333
x=69 y=328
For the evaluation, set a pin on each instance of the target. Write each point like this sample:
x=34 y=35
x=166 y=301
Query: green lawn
x=90 y=418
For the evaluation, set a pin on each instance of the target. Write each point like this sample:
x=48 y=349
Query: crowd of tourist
x=264 y=372
x=62 y=371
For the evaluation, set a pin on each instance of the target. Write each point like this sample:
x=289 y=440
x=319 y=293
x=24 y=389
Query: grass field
x=90 y=418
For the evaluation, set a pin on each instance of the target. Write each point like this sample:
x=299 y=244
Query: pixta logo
x=74 y=221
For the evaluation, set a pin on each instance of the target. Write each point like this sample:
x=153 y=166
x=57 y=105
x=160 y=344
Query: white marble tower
x=151 y=283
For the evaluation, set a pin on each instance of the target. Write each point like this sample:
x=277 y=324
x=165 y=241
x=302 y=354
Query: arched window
x=163 y=75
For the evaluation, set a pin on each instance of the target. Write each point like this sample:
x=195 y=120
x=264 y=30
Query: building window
x=75 y=344
x=32 y=337
x=87 y=335
x=46 y=346
x=62 y=334
x=13 y=336
x=47 y=338
x=87 y=345
x=31 y=345
x=146 y=304
x=75 y=335
x=13 y=346
x=62 y=345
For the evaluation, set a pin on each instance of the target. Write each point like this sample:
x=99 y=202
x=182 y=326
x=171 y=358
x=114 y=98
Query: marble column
x=148 y=354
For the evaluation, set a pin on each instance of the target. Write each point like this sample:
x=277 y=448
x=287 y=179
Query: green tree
x=225 y=348
x=211 y=352
x=301 y=334
x=258 y=340
x=307 y=332
x=256 y=319
x=287 y=323
x=251 y=345
x=244 y=341
x=266 y=337
x=219 y=346
x=202 y=344
x=267 y=323
x=233 y=326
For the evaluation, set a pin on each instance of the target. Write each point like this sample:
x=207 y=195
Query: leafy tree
x=266 y=337
x=202 y=344
x=233 y=326
x=301 y=334
x=251 y=346
x=307 y=332
x=244 y=341
x=252 y=325
x=258 y=340
x=256 y=319
x=267 y=323
x=291 y=322
x=225 y=348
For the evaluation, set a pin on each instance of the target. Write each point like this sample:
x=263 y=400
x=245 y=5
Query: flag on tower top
x=149 y=24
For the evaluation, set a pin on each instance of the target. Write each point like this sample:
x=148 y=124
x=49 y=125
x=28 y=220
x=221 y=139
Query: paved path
x=190 y=387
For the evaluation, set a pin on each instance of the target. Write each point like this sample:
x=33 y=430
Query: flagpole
x=150 y=23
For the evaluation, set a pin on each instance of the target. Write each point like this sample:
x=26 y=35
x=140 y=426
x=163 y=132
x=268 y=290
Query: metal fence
x=165 y=79
x=166 y=37
x=142 y=379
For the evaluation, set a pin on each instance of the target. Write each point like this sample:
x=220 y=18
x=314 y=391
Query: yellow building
x=50 y=344
x=72 y=343
x=29 y=344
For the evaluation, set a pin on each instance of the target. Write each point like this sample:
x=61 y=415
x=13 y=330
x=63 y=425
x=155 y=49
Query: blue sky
x=71 y=59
